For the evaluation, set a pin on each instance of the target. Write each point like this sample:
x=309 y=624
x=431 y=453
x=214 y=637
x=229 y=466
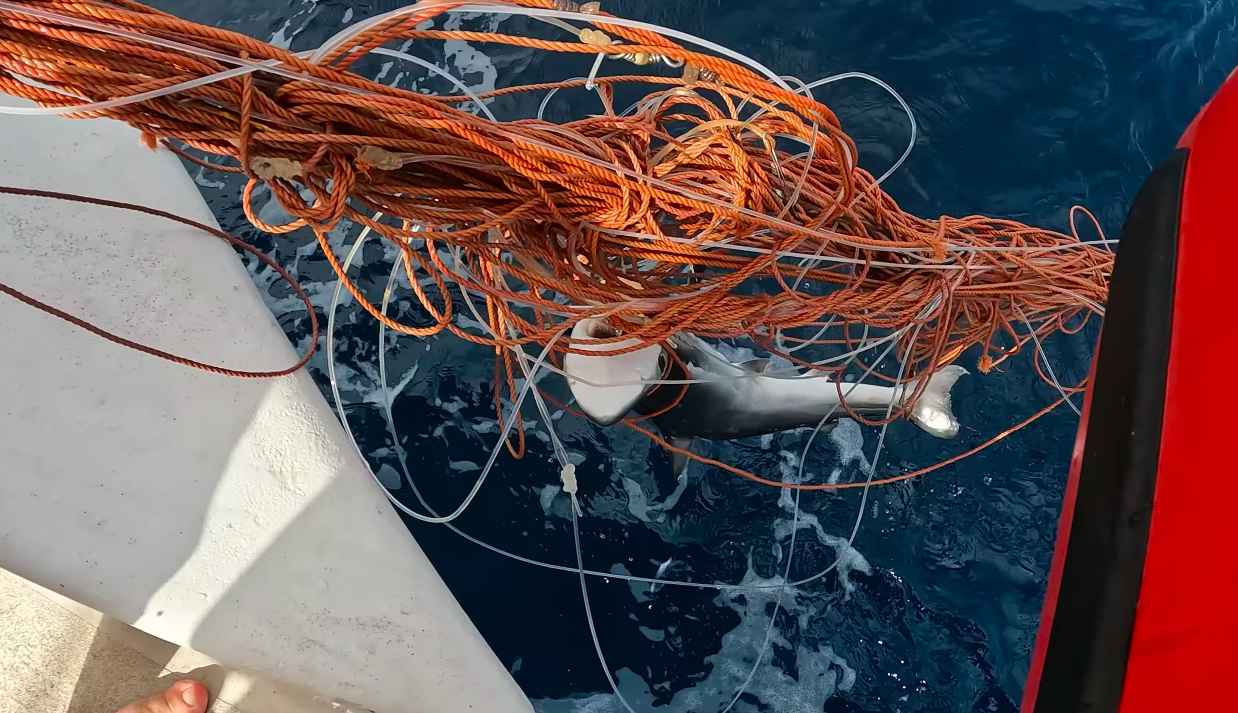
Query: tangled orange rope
x=690 y=212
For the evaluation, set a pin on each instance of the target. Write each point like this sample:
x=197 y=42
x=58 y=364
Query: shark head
x=607 y=385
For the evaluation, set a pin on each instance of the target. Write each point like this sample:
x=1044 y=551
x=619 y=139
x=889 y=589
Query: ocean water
x=1026 y=107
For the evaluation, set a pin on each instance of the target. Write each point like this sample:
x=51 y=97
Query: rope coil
x=723 y=203
x=755 y=221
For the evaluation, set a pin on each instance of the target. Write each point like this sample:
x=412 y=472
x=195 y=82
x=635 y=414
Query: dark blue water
x=1026 y=108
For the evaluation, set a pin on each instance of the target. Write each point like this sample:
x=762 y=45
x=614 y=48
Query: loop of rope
x=152 y=351
x=686 y=212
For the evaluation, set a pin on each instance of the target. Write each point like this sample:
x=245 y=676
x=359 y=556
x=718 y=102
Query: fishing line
x=894 y=396
x=799 y=478
x=335 y=391
x=1040 y=354
x=769 y=630
x=914 y=251
x=401 y=455
x=572 y=210
x=275 y=69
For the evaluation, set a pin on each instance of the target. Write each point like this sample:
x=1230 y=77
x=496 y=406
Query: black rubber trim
x=1085 y=661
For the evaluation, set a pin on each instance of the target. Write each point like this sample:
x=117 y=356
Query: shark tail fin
x=933 y=411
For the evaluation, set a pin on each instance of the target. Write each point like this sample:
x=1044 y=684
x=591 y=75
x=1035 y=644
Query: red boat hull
x=1141 y=612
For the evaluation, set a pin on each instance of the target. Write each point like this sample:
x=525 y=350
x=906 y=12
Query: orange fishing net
x=724 y=203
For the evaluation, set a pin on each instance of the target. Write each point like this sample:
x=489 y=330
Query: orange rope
x=843 y=486
x=680 y=215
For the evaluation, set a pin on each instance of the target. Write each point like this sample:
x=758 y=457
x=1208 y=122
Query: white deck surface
x=223 y=514
x=58 y=656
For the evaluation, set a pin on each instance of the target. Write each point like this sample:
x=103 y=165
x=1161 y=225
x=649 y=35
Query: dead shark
x=730 y=400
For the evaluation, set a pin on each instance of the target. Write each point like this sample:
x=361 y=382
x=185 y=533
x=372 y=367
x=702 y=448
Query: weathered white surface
x=224 y=514
x=58 y=656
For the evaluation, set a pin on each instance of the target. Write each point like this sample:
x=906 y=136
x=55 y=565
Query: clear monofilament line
x=339 y=404
x=799 y=479
x=408 y=477
x=1040 y=354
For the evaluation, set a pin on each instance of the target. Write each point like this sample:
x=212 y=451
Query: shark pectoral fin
x=933 y=412
x=679 y=461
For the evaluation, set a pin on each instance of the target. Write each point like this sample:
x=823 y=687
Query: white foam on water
x=469 y=323
x=849 y=559
x=388 y=476
x=200 y=179
x=303 y=251
x=463 y=466
x=284 y=35
x=547 y=497
x=779 y=363
x=282 y=38
x=638 y=504
x=454 y=406
x=640 y=590
x=653 y=634
x=629 y=452
x=271 y=211
x=734 y=354
x=848 y=439
x=788 y=468
x=680 y=486
x=404 y=380
x=470 y=61
x=819 y=672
